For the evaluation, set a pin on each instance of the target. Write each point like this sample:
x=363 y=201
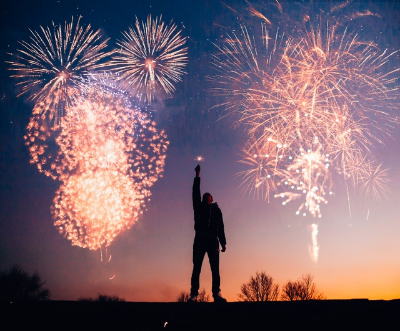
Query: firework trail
x=344 y=77
x=374 y=182
x=80 y=137
x=150 y=58
x=314 y=247
x=49 y=66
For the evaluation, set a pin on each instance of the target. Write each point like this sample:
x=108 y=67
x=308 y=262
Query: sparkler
x=199 y=158
x=151 y=57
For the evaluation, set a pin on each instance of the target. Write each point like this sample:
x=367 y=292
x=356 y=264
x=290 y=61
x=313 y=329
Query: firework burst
x=92 y=208
x=109 y=158
x=313 y=82
x=100 y=132
x=102 y=146
x=150 y=58
x=49 y=67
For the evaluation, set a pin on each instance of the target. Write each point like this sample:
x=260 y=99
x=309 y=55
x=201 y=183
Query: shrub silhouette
x=104 y=298
x=202 y=296
x=259 y=288
x=17 y=285
x=302 y=289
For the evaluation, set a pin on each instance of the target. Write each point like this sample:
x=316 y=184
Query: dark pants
x=201 y=246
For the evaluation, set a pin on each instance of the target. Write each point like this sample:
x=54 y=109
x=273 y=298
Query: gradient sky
x=359 y=256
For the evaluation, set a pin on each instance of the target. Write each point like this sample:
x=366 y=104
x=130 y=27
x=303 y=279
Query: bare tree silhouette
x=290 y=291
x=302 y=289
x=17 y=285
x=259 y=288
x=201 y=297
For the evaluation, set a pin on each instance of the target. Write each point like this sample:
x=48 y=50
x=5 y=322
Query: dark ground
x=322 y=315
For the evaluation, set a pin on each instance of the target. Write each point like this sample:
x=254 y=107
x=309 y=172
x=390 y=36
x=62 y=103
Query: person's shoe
x=192 y=298
x=218 y=298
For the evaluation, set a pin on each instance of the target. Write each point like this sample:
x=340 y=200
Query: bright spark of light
x=199 y=158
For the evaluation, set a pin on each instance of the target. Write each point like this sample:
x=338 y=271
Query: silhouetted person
x=209 y=228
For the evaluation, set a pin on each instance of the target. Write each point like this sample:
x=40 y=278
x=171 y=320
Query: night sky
x=359 y=255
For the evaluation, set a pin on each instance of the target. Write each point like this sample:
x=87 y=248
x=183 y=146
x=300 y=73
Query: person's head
x=207 y=198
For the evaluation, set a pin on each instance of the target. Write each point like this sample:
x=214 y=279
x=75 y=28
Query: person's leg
x=213 y=257
x=198 y=256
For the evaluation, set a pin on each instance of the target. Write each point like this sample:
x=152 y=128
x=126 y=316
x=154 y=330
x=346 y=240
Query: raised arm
x=196 y=196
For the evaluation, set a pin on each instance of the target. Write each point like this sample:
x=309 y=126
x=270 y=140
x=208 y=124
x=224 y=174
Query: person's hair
x=205 y=195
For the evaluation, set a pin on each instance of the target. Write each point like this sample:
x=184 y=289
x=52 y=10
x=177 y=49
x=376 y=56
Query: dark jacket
x=208 y=221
